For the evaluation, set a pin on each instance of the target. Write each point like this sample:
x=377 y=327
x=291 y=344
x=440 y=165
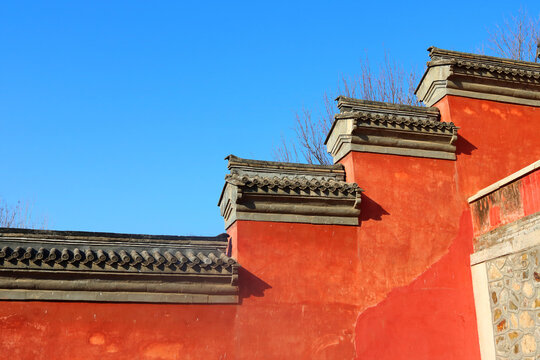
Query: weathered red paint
x=55 y=330
x=531 y=193
x=299 y=290
x=496 y=139
x=405 y=315
x=431 y=318
x=425 y=307
x=396 y=287
x=509 y=203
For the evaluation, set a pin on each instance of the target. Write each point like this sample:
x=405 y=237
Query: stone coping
x=492 y=63
x=345 y=104
x=89 y=266
x=393 y=129
x=381 y=109
x=288 y=192
x=479 y=77
x=236 y=162
x=110 y=237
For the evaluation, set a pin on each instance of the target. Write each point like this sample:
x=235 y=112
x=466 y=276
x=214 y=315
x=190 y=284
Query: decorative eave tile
x=288 y=192
x=84 y=266
x=479 y=77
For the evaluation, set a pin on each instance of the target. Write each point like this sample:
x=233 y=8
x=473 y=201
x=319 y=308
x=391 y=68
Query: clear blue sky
x=116 y=116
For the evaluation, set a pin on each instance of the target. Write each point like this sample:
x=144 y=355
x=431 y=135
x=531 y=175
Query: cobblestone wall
x=514 y=289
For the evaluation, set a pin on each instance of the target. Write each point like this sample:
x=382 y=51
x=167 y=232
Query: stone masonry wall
x=514 y=289
x=506 y=223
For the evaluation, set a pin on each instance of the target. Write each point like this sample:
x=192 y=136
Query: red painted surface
x=423 y=302
x=500 y=138
x=299 y=290
x=507 y=204
x=431 y=318
x=415 y=260
x=54 y=330
x=396 y=287
x=531 y=193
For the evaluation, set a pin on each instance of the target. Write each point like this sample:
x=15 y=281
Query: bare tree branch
x=390 y=83
x=516 y=38
x=19 y=216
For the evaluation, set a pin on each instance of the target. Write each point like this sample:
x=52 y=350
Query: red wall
x=511 y=202
x=501 y=139
x=418 y=255
x=55 y=330
x=415 y=261
x=396 y=287
x=299 y=290
x=399 y=286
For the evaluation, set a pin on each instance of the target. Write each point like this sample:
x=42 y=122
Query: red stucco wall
x=530 y=193
x=425 y=308
x=396 y=287
x=408 y=288
x=415 y=260
x=299 y=290
x=500 y=138
x=298 y=301
x=513 y=201
x=85 y=331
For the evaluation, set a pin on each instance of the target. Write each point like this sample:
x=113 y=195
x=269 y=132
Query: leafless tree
x=517 y=37
x=19 y=216
x=389 y=83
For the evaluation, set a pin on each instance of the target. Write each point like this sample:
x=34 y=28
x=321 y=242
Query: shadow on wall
x=463 y=146
x=250 y=285
x=370 y=210
x=433 y=317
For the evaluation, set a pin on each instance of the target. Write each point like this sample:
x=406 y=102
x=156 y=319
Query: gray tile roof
x=81 y=261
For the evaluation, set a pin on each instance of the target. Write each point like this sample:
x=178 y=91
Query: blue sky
x=116 y=116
